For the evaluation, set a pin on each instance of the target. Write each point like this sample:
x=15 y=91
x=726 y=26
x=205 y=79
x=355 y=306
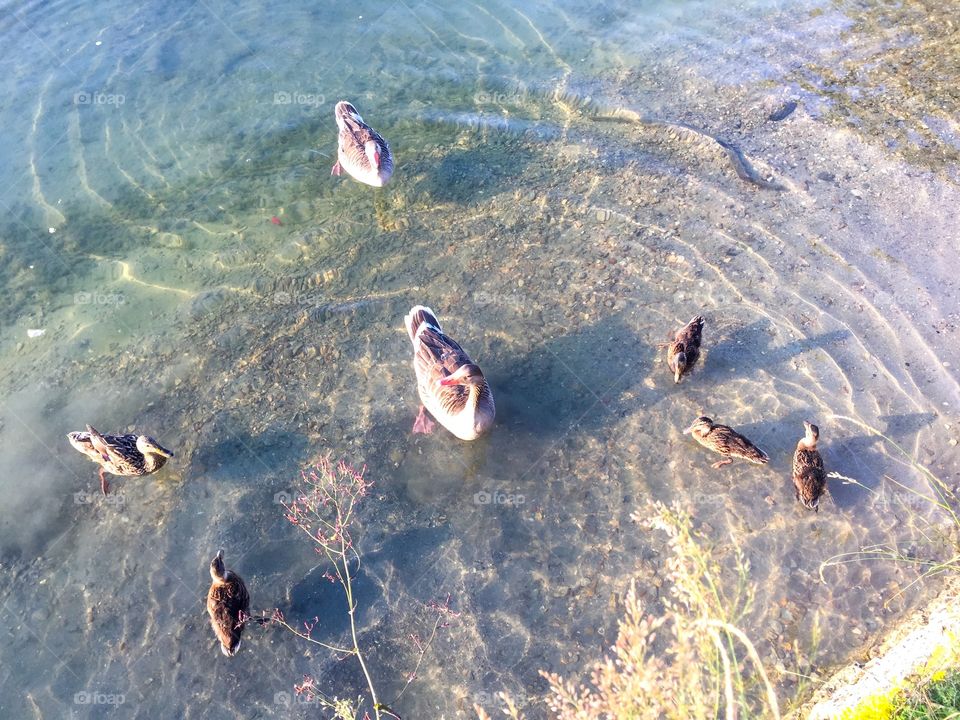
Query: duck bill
x=452 y=380
x=160 y=450
x=689 y=430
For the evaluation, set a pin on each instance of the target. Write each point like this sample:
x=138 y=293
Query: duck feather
x=466 y=410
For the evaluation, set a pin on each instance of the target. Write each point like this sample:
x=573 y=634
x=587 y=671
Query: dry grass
x=691 y=662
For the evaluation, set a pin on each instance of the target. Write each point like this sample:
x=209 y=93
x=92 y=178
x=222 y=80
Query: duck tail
x=98 y=441
x=417 y=317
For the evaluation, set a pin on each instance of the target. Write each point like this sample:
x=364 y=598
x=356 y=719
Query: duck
x=122 y=455
x=361 y=151
x=228 y=604
x=809 y=478
x=684 y=350
x=451 y=386
x=726 y=441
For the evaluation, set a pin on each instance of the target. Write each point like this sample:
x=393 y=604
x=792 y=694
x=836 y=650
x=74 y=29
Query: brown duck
x=726 y=441
x=228 y=604
x=123 y=455
x=684 y=350
x=451 y=386
x=809 y=478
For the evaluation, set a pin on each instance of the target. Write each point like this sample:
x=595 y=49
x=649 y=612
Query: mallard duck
x=360 y=149
x=123 y=455
x=228 y=604
x=809 y=479
x=684 y=349
x=451 y=386
x=726 y=441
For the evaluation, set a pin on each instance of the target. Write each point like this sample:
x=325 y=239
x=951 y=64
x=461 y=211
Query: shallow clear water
x=138 y=181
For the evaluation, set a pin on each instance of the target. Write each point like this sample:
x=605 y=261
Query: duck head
x=680 y=362
x=345 y=110
x=218 y=570
x=700 y=427
x=148 y=446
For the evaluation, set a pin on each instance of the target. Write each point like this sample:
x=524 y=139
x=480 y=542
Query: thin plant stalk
x=940 y=497
x=326 y=512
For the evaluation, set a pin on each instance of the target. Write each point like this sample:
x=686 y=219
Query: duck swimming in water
x=361 y=151
x=684 y=350
x=123 y=455
x=451 y=386
x=228 y=604
x=809 y=478
x=726 y=441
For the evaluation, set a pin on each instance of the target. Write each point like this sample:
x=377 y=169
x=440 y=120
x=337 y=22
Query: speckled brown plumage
x=726 y=441
x=684 y=350
x=809 y=478
x=123 y=455
x=227 y=599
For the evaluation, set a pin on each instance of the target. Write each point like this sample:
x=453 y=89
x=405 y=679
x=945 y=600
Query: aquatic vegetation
x=691 y=662
x=325 y=509
x=919 y=52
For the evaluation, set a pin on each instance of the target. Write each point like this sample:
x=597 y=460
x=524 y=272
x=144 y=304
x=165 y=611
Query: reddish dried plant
x=326 y=510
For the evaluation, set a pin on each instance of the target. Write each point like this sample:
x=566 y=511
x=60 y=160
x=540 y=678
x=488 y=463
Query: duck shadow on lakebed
x=745 y=349
x=572 y=381
x=865 y=459
x=462 y=172
x=234 y=454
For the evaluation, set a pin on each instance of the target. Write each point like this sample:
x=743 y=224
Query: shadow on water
x=462 y=173
x=754 y=341
x=865 y=459
x=315 y=596
x=227 y=449
x=572 y=381
x=898 y=426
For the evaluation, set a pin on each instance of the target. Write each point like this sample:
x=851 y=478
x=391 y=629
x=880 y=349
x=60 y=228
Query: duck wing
x=690 y=336
x=435 y=356
x=809 y=478
x=225 y=603
x=355 y=134
x=805 y=459
x=728 y=441
x=116 y=451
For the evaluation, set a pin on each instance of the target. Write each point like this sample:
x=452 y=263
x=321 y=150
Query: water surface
x=147 y=149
